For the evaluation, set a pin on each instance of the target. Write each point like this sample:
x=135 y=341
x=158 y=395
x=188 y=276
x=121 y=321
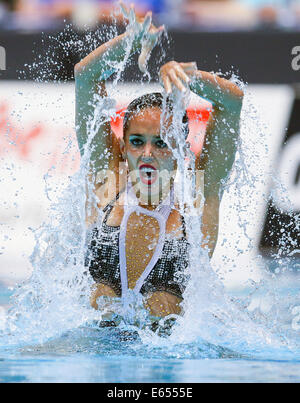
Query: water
x=90 y=354
x=51 y=333
x=92 y=368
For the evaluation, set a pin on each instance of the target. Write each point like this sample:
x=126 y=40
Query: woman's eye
x=136 y=142
x=161 y=144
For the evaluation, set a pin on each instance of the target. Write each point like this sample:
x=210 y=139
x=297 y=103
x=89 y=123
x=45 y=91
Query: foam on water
x=51 y=311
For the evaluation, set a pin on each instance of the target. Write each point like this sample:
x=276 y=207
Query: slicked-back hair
x=152 y=100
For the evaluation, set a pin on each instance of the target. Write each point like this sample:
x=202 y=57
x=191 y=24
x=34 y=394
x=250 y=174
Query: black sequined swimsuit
x=102 y=259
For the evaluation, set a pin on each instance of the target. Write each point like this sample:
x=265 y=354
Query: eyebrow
x=142 y=135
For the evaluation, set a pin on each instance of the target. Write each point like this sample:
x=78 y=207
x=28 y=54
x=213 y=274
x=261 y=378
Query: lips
x=148 y=174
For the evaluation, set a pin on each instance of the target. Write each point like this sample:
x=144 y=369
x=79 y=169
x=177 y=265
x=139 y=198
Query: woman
x=140 y=244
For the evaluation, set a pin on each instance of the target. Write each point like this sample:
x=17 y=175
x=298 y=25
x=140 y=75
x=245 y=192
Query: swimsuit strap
x=108 y=208
x=161 y=214
x=164 y=208
x=111 y=203
x=183 y=227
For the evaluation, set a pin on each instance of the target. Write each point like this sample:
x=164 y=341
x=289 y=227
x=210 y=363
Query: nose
x=148 y=150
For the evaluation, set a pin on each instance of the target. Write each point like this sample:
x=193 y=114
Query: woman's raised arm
x=222 y=130
x=90 y=76
x=218 y=153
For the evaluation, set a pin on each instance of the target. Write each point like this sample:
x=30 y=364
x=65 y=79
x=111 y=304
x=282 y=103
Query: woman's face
x=151 y=163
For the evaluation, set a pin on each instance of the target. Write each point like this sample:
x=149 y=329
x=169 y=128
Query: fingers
x=173 y=74
x=124 y=10
x=151 y=36
x=148 y=43
x=189 y=68
x=167 y=84
x=132 y=17
x=143 y=58
x=189 y=65
x=129 y=14
x=147 y=22
x=182 y=74
x=176 y=81
x=146 y=32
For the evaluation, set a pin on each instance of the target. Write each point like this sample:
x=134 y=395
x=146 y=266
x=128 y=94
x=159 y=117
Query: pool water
x=93 y=354
x=77 y=367
x=86 y=355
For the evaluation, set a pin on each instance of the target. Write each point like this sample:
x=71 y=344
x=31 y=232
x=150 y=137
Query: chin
x=153 y=188
x=153 y=194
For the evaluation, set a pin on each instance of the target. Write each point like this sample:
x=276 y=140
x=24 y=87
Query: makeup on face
x=149 y=155
x=150 y=161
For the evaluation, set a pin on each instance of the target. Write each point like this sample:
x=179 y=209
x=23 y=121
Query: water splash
x=55 y=300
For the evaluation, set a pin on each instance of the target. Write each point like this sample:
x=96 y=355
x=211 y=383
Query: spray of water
x=55 y=300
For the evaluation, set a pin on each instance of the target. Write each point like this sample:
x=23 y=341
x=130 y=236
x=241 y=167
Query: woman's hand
x=178 y=74
x=162 y=303
x=144 y=30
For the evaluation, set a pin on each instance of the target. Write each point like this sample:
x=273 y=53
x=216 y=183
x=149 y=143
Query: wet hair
x=152 y=100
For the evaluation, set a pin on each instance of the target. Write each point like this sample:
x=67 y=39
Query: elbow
x=232 y=96
x=239 y=96
x=237 y=93
x=235 y=100
x=83 y=73
x=77 y=69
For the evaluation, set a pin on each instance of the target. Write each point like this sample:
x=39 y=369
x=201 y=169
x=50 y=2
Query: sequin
x=102 y=259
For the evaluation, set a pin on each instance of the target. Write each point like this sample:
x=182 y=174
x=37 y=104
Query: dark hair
x=152 y=100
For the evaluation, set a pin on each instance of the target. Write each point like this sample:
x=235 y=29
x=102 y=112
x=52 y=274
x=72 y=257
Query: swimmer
x=140 y=243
